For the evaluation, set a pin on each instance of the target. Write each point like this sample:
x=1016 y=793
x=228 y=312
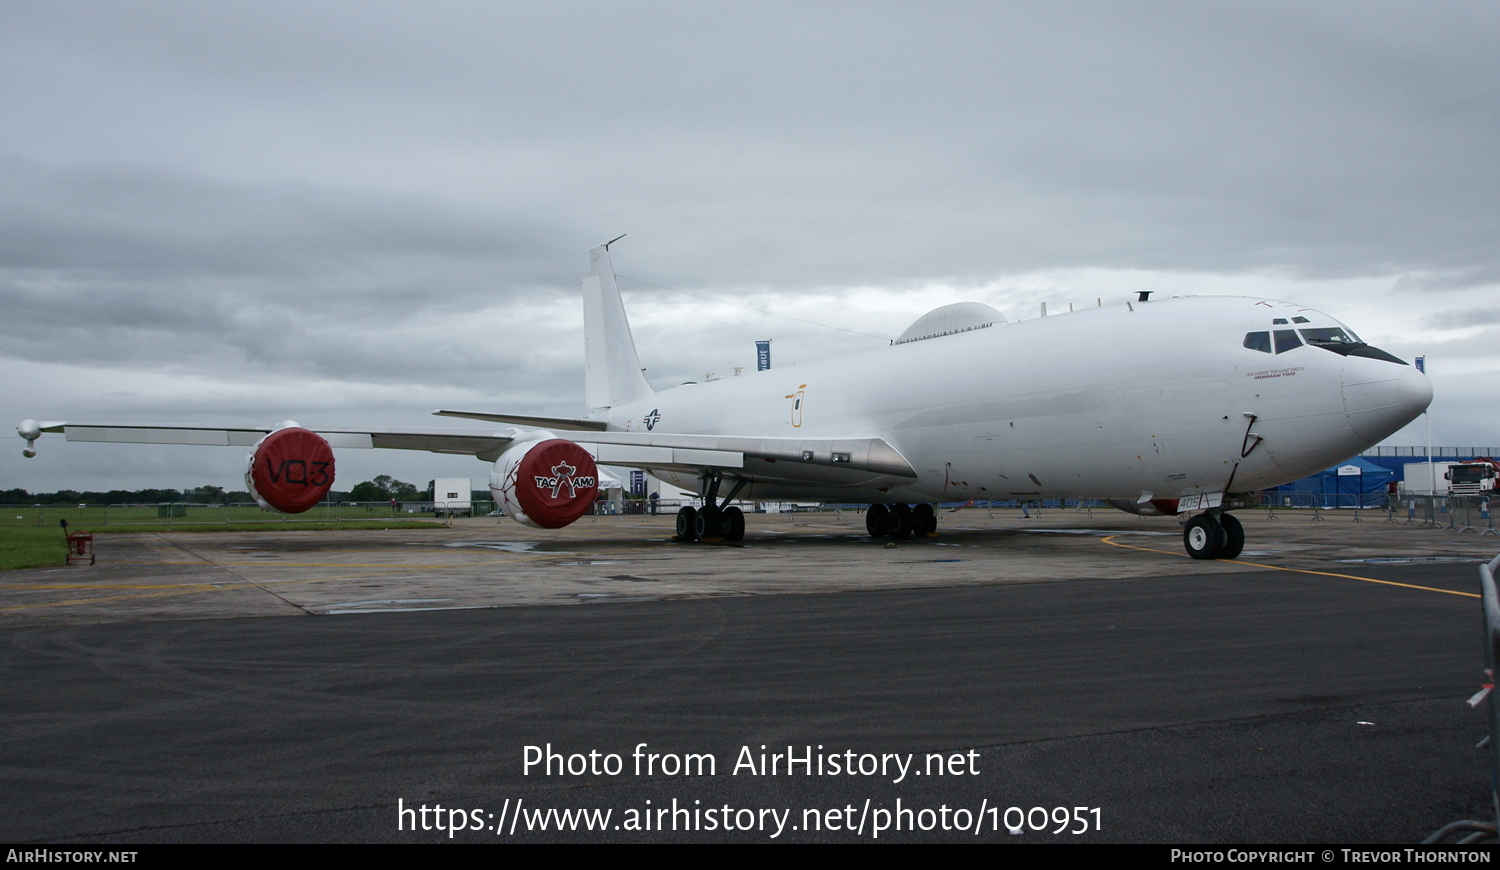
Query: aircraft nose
x=1380 y=397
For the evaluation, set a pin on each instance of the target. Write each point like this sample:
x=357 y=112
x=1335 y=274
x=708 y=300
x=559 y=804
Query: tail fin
x=612 y=371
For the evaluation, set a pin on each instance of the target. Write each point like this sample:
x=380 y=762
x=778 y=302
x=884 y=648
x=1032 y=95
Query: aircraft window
x=1300 y=320
x=1342 y=342
x=1280 y=321
x=1327 y=335
x=1260 y=341
x=1286 y=339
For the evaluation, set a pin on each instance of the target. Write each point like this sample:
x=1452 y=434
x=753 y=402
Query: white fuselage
x=1149 y=400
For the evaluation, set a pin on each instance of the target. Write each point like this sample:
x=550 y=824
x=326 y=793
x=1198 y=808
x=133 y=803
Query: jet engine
x=290 y=470
x=1156 y=507
x=545 y=484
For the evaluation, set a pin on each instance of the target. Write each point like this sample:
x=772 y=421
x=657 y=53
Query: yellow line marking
x=1110 y=540
x=182 y=591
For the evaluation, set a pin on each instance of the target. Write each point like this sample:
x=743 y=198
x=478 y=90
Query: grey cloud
x=139 y=221
x=1462 y=319
x=277 y=191
x=886 y=141
x=1451 y=279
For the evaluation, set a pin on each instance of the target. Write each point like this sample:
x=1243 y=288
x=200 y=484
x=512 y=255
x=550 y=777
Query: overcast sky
x=354 y=213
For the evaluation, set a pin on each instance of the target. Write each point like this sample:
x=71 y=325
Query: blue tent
x=1356 y=483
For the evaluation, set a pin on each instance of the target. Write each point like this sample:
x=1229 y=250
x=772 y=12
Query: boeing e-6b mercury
x=1182 y=406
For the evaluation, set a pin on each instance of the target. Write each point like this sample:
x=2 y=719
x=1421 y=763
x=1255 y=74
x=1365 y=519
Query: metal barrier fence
x=94 y=515
x=1475 y=831
x=1437 y=452
x=1452 y=513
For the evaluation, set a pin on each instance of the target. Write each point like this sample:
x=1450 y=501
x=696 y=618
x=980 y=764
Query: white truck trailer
x=1417 y=478
x=451 y=497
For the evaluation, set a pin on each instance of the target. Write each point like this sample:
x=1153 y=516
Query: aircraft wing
x=472 y=442
x=773 y=458
x=567 y=423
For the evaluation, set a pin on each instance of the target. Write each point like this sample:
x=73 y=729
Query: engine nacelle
x=1156 y=507
x=545 y=484
x=290 y=470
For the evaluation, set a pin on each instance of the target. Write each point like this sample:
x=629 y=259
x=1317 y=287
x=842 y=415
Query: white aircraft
x=1184 y=406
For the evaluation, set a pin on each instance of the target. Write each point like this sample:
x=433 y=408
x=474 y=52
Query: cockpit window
x=1286 y=339
x=1280 y=321
x=1328 y=335
x=1300 y=320
x=1260 y=341
x=1342 y=342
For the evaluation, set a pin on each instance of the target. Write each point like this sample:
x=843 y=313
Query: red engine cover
x=555 y=483
x=291 y=470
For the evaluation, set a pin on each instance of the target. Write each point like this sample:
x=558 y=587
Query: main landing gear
x=900 y=521
x=715 y=522
x=1207 y=536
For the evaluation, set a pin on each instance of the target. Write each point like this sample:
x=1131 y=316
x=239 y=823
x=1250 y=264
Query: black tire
x=1203 y=537
x=901 y=522
x=734 y=525
x=687 y=520
x=1234 y=537
x=878 y=520
x=924 y=520
x=709 y=526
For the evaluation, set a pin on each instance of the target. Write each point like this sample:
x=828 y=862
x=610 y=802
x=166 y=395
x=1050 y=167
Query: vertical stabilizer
x=612 y=371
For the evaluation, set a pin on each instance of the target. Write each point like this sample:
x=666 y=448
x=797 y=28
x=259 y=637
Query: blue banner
x=762 y=355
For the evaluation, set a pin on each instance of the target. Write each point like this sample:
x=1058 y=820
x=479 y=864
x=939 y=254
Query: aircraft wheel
x=878 y=520
x=708 y=526
x=1234 y=537
x=687 y=520
x=1203 y=537
x=901 y=520
x=734 y=524
x=923 y=520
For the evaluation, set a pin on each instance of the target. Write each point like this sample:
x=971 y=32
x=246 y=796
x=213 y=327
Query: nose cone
x=1380 y=397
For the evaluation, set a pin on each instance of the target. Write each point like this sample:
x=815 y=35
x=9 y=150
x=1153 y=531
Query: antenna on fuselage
x=1144 y=296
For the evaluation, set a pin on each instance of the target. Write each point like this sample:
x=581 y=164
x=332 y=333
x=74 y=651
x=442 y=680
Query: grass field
x=31 y=548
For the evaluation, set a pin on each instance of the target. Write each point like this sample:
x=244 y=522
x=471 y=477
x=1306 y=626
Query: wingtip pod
x=29 y=430
x=290 y=470
x=546 y=483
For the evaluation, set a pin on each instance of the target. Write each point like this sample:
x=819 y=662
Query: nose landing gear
x=1207 y=536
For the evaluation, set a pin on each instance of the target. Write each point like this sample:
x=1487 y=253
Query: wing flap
x=156 y=435
x=872 y=455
